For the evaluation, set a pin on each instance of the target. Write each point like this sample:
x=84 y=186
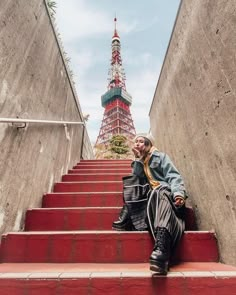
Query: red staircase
x=68 y=246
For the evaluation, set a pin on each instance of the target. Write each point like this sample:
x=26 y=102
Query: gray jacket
x=162 y=170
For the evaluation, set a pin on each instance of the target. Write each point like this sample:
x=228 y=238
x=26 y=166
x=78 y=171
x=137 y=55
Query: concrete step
x=124 y=171
x=81 y=218
x=115 y=279
x=101 y=165
x=69 y=219
x=100 y=199
x=88 y=186
x=101 y=247
x=103 y=161
x=92 y=177
x=83 y=199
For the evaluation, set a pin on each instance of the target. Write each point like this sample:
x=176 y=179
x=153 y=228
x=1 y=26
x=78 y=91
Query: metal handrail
x=15 y=120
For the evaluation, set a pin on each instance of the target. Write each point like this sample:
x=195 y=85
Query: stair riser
x=116 y=286
x=79 y=219
x=125 y=171
x=102 y=166
x=92 y=177
x=95 y=247
x=84 y=200
x=113 y=162
x=88 y=187
x=67 y=219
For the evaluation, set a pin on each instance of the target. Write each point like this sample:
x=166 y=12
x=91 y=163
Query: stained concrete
x=34 y=84
x=193 y=114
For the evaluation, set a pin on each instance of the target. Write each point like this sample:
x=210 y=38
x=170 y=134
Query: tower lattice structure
x=117 y=118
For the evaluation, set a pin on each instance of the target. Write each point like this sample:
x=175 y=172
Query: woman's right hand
x=136 y=152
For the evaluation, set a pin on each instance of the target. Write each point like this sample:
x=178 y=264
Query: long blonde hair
x=148 y=145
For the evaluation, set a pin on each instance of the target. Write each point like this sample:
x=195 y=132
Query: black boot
x=160 y=256
x=124 y=222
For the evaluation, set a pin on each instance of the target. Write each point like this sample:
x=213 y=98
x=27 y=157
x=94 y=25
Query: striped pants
x=149 y=209
x=161 y=212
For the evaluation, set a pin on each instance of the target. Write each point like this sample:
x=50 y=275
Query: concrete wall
x=33 y=85
x=193 y=114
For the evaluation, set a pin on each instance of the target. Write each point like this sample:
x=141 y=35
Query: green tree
x=118 y=144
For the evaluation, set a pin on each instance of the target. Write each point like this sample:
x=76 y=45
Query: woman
x=160 y=204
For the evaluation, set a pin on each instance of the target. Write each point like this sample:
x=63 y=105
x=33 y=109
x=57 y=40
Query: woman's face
x=139 y=144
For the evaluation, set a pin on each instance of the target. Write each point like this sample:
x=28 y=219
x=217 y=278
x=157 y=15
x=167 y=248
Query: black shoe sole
x=159 y=268
x=123 y=227
x=119 y=228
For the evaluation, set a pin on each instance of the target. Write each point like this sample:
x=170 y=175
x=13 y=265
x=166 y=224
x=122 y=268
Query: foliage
x=52 y=5
x=118 y=147
x=118 y=144
x=86 y=117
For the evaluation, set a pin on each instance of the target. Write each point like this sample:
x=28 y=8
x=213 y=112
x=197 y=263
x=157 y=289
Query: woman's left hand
x=179 y=201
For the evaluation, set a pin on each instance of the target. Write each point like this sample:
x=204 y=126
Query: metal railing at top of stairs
x=16 y=122
x=24 y=121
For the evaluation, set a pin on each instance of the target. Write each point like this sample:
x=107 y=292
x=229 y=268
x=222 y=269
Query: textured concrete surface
x=193 y=114
x=34 y=85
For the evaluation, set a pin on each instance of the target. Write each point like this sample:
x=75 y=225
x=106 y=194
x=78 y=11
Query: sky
x=86 y=28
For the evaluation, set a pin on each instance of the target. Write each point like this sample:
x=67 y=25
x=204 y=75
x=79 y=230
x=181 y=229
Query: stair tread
x=184 y=269
x=102 y=166
x=114 y=232
x=102 y=173
x=76 y=208
x=107 y=208
x=90 y=181
x=82 y=193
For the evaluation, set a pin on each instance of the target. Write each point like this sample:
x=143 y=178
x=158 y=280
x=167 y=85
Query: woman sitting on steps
x=154 y=200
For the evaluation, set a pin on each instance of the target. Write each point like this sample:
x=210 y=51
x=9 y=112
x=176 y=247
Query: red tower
x=116 y=101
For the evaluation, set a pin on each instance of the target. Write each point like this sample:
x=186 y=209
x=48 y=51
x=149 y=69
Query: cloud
x=142 y=94
x=144 y=26
x=78 y=20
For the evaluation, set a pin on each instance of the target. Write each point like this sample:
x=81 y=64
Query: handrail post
x=82 y=145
